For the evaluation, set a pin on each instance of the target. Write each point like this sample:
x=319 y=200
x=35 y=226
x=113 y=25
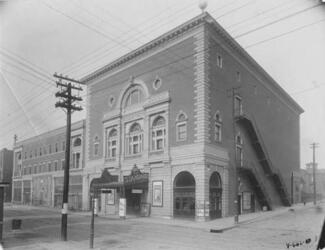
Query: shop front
x=184 y=195
x=109 y=192
x=136 y=191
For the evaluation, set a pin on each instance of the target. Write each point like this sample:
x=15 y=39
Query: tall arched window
x=96 y=146
x=218 y=127
x=134 y=96
x=158 y=134
x=134 y=140
x=111 y=143
x=181 y=127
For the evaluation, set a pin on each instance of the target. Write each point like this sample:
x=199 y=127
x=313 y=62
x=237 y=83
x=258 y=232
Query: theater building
x=38 y=168
x=171 y=124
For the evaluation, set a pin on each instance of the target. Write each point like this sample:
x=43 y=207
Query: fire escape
x=256 y=140
x=248 y=170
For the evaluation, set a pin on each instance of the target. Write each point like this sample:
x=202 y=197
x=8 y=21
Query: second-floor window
x=218 y=127
x=158 y=134
x=111 y=143
x=238 y=105
x=181 y=127
x=76 y=160
x=134 y=140
x=62 y=164
x=219 y=61
x=96 y=146
x=56 y=167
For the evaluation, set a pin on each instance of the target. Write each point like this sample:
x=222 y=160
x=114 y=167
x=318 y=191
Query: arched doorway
x=184 y=195
x=215 y=195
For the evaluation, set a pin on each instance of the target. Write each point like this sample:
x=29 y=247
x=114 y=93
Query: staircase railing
x=250 y=166
x=274 y=171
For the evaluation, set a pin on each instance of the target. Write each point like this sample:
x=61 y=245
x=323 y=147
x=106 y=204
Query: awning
x=136 y=178
x=103 y=181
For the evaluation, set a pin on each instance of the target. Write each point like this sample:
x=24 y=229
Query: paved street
x=41 y=230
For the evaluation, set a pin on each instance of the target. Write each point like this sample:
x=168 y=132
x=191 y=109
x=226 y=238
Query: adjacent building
x=6 y=166
x=191 y=126
x=38 y=168
x=308 y=178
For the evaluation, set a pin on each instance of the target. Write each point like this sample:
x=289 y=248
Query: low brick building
x=172 y=123
x=6 y=166
x=38 y=168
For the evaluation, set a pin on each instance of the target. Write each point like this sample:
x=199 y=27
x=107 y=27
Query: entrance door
x=215 y=196
x=215 y=204
x=184 y=195
x=133 y=201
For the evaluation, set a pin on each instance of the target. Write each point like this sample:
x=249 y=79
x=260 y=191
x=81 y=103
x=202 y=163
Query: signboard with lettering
x=137 y=191
x=122 y=208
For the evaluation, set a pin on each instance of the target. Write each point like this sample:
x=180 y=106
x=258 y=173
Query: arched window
x=218 y=127
x=239 y=151
x=134 y=140
x=238 y=105
x=77 y=142
x=134 y=96
x=181 y=127
x=158 y=134
x=96 y=146
x=111 y=143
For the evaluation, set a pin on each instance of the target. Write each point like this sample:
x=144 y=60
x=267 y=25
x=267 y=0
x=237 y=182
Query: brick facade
x=185 y=78
x=38 y=168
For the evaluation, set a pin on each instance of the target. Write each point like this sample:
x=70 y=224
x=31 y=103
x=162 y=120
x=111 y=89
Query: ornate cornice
x=147 y=47
x=180 y=30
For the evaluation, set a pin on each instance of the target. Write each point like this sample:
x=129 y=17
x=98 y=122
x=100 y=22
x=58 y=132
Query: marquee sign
x=136 y=177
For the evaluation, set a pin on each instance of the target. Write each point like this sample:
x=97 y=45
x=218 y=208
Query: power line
x=103 y=55
x=125 y=33
x=86 y=25
x=27 y=66
x=13 y=93
x=6 y=50
x=238 y=8
x=276 y=21
x=259 y=14
x=284 y=34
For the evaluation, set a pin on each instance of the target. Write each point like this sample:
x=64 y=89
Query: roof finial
x=202 y=5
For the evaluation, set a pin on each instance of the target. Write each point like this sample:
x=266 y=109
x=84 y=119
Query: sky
x=39 y=38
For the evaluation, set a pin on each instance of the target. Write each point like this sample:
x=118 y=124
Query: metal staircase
x=257 y=142
x=257 y=185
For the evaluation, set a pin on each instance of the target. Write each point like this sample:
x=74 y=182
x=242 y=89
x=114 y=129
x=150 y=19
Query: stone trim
x=201 y=90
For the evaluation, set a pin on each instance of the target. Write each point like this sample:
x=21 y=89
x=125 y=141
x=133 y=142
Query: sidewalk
x=217 y=225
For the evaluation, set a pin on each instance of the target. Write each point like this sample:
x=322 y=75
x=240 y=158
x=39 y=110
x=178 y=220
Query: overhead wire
x=284 y=34
x=103 y=55
x=276 y=21
x=102 y=47
x=162 y=24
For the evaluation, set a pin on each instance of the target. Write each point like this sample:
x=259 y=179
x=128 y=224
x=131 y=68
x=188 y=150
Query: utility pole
x=233 y=95
x=66 y=102
x=292 y=194
x=314 y=146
